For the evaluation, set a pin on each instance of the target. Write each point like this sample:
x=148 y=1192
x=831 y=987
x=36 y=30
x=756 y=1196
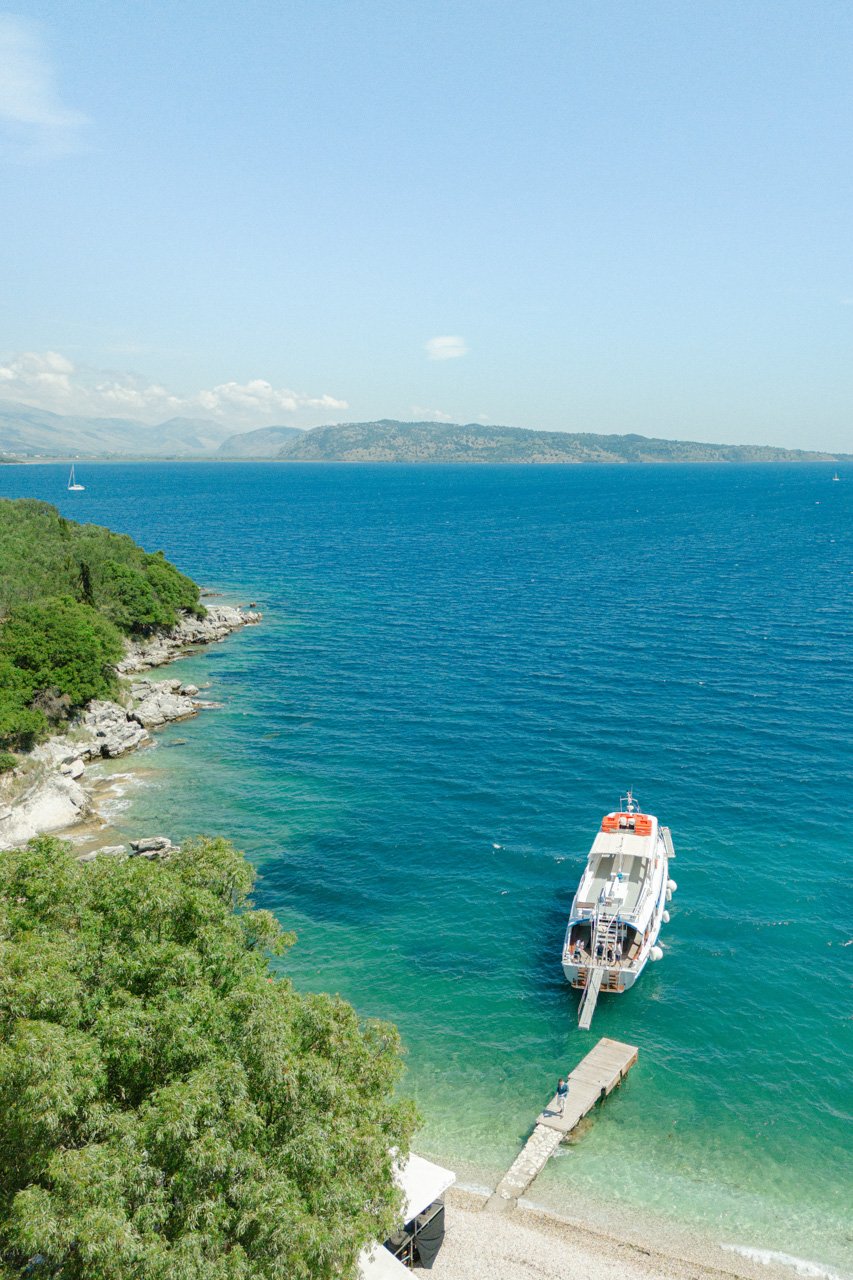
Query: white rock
x=56 y=751
x=150 y=845
x=53 y=802
x=221 y=620
x=74 y=769
x=107 y=851
x=158 y=708
x=110 y=731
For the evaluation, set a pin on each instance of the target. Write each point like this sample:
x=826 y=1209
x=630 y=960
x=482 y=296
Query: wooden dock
x=592 y=1079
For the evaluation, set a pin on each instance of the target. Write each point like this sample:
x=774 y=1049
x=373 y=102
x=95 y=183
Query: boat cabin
x=615 y=881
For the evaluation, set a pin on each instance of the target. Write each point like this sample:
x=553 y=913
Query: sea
x=459 y=670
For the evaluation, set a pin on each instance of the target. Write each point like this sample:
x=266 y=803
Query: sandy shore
x=529 y=1243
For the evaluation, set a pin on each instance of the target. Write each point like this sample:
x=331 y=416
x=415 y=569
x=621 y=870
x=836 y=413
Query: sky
x=603 y=216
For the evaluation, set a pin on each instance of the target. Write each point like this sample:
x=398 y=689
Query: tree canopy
x=170 y=1109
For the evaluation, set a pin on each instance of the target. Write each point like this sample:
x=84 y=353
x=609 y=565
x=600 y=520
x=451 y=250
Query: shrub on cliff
x=66 y=591
x=168 y=1110
x=62 y=645
x=43 y=555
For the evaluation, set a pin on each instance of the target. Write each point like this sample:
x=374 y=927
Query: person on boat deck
x=578 y=951
x=562 y=1094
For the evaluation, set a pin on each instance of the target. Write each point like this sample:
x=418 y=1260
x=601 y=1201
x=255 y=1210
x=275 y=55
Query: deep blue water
x=459 y=671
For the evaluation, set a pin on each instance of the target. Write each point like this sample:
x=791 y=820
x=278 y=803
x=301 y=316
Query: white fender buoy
x=665 y=917
x=669 y=895
x=656 y=953
x=671 y=885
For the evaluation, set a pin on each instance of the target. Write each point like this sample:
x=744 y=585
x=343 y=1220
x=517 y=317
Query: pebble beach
x=528 y=1243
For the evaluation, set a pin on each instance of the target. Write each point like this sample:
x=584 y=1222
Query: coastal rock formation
x=106 y=851
x=147 y=847
x=52 y=801
x=109 y=730
x=151 y=844
x=160 y=701
x=220 y=621
x=47 y=792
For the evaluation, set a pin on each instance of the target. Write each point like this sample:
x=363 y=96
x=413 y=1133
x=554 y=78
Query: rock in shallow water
x=151 y=844
x=160 y=705
x=109 y=730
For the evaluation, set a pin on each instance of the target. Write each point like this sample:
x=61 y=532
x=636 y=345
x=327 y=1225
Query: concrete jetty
x=592 y=1079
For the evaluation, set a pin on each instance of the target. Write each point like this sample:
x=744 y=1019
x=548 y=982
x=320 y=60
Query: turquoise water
x=459 y=671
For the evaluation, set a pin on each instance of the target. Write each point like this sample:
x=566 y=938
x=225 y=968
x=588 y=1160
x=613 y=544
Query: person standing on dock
x=562 y=1094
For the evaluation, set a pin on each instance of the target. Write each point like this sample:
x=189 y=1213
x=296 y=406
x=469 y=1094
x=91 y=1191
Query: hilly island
x=391 y=441
x=28 y=434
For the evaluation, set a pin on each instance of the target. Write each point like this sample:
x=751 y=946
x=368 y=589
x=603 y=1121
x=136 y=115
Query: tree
x=169 y=1110
x=129 y=600
x=62 y=645
x=20 y=725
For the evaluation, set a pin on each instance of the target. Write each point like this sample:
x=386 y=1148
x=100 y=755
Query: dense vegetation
x=168 y=1110
x=68 y=592
x=391 y=441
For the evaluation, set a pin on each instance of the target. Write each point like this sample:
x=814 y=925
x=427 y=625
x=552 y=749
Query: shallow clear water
x=459 y=671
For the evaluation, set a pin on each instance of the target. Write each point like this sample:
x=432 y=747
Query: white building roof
x=376 y=1263
x=422 y=1182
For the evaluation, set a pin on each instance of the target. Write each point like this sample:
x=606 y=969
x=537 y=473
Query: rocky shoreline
x=49 y=790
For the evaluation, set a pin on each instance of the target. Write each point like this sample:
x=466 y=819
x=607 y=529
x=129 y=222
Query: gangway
x=595 y=977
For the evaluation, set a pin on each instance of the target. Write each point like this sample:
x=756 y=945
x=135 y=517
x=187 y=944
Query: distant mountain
x=263 y=443
x=392 y=441
x=26 y=432
x=30 y=433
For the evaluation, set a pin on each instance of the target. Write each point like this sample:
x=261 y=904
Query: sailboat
x=836 y=476
x=73 y=486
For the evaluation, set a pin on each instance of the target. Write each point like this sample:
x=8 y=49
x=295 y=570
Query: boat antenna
x=629 y=804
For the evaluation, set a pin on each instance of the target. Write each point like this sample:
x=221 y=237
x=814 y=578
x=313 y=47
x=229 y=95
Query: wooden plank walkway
x=593 y=1078
x=594 y=978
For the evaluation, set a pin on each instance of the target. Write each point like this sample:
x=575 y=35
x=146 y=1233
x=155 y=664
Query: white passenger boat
x=619 y=906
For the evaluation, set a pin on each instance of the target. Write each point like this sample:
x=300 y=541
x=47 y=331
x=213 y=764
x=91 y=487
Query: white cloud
x=430 y=415
x=446 y=348
x=261 y=397
x=41 y=373
x=34 y=120
x=51 y=381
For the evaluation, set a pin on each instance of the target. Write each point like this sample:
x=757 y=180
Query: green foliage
x=129 y=600
x=20 y=725
x=43 y=555
x=66 y=591
x=7 y=761
x=61 y=645
x=171 y=586
x=168 y=1110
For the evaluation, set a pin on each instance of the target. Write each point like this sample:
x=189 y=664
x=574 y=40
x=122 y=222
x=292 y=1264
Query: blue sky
x=601 y=216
